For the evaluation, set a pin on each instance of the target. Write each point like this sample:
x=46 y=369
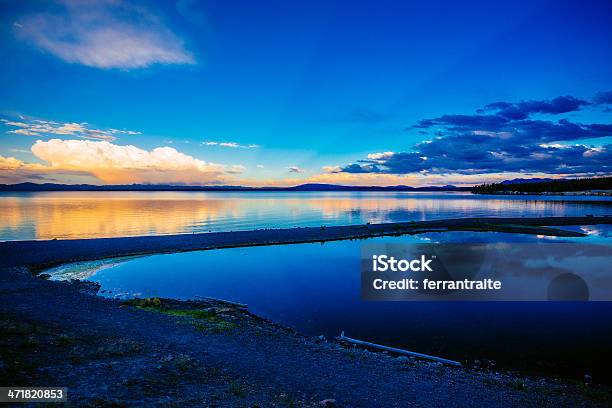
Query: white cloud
x=38 y=127
x=332 y=169
x=380 y=156
x=234 y=169
x=124 y=132
x=233 y=145
x=295 y=169
x=593 y=151
x=104 y=34
x=501 y=135
x=553 y=146
x=124 y=164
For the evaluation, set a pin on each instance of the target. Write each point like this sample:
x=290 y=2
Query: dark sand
x=109 y=355
x=52 y=252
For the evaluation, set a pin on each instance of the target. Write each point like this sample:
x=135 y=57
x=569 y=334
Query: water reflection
x=48 y=215
x=316 y=288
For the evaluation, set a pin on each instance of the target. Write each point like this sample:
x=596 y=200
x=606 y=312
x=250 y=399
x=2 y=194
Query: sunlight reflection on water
x=48 y=215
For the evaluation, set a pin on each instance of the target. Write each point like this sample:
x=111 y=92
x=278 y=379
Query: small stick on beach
x=229 y=302
x=399 y=351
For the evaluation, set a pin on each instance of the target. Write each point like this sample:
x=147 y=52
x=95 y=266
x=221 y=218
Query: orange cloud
x=115 y=164
x=13 y=170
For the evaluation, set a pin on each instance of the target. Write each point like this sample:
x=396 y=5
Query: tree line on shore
x=548 y=186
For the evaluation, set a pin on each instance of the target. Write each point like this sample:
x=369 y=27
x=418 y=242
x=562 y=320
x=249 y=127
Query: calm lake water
x=316 y=289
x=48 y=215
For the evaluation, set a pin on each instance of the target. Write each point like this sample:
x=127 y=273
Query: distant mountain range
x=302 y=187
x=164 y=187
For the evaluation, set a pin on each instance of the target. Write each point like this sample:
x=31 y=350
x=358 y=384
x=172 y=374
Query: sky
x=277 y=93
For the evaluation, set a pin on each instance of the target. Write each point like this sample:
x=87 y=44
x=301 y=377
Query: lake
x=62 y=215
x=315 y=288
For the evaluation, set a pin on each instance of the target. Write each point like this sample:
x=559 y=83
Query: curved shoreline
x=208 y=354
x=150 y=352
x=43 y=254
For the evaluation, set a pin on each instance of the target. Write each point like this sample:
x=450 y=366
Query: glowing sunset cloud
x=115 y=164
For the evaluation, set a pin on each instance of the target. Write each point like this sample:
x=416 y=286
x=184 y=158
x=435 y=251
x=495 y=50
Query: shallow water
x=48 y=215
x=316 y=289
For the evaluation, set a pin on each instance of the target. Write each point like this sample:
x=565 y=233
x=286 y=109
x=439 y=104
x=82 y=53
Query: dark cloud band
x=504 y=137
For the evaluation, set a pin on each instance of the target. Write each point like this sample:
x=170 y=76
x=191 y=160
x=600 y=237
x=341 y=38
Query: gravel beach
x=163 y=352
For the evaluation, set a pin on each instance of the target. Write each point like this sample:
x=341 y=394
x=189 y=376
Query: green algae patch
x=206 y=320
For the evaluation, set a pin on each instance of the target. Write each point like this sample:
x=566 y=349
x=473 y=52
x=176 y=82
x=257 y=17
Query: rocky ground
x=161 y=352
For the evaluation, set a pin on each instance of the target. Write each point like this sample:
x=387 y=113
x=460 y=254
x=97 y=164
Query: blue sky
x=247 y=92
